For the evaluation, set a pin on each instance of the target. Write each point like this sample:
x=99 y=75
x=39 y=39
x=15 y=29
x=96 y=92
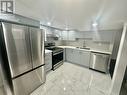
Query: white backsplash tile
x=106 y=46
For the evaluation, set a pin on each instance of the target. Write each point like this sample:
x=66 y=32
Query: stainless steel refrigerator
x=24 y=49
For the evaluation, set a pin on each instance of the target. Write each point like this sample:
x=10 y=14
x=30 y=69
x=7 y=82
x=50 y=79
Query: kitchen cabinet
x=68 y=35
x=103 y=36
x=48 y=61
x=64 y=35
x=69 y=54
x=85 y=35
x=77 y=56
x=84 y=58
x=71 y=35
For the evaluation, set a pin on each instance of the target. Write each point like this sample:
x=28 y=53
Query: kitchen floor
x=70 y=79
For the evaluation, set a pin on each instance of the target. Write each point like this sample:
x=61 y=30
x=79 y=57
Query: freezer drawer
x=27 y=83
x=99 y=61
x=37 y=46
x=17 y=44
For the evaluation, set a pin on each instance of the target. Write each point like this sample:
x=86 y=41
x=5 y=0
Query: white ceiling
x=75 y=14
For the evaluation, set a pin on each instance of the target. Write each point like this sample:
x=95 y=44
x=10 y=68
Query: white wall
x=116 y=44
x=121 y=64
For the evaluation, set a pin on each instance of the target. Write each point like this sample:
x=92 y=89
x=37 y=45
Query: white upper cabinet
x=68 y=35
x=71 y=35
x=104 y=36
x=64 y=35
x=83 y=34
x=101 y=36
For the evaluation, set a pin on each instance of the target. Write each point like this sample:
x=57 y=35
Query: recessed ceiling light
x=95 y=24
x=49 y=23
x=64 y=89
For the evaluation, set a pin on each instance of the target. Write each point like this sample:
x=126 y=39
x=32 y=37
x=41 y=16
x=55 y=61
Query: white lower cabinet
x=77 y=56
x=48 y=61
x=69 y=54
x=84 y=57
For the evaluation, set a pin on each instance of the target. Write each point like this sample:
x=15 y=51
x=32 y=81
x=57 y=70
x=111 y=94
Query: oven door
x=57 y=58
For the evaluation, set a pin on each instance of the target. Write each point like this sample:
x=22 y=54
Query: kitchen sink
x=83 y=48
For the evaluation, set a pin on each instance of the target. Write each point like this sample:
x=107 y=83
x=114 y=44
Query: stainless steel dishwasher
x=99 y=61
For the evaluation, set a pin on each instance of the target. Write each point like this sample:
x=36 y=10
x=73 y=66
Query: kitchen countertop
x=92 y=50
x=47 y=51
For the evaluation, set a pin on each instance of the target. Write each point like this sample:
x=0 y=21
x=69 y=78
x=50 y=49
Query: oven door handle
x=58 y=53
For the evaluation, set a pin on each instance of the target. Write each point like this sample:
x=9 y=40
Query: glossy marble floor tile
x=70 y=79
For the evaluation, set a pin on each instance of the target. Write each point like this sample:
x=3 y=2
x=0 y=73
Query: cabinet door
x=69 y=55
x=85 y=58
x=103 y=36
x=76 y=56
x=64 y=35
x=71 y=35
x=79 y=57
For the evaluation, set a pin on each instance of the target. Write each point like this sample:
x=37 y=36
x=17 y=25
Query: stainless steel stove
x=57 y=55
